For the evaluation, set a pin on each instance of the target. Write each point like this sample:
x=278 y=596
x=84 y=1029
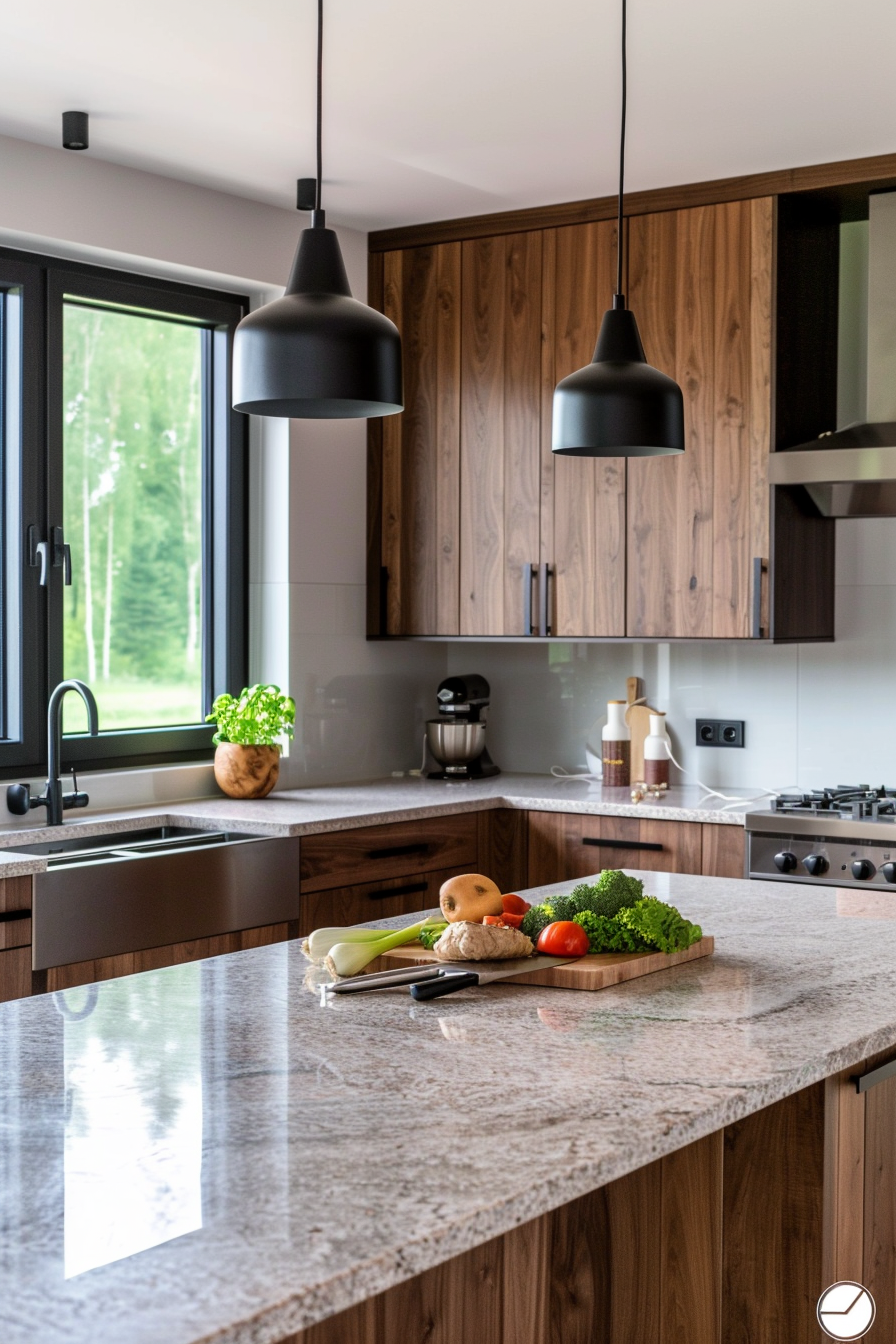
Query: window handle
x=61 y=555
x=40 y=550
x=38 y=554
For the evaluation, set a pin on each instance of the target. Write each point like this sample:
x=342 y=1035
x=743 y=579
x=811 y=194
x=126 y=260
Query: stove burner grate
x=855 y=801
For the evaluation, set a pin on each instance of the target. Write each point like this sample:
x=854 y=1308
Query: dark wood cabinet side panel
x=375 y=610
x=15 y=898
x=803 y=554
x=15 y=974
x=691 y=1246
x=772 y=1231
x=503 y=847
x=880 y=1204
x=696 y=289
x=652 y=482
x=521 y=445
x=732 y=413
x=579 y=1292
x=583 y=499
x=458 y=1302
x=724 y=851
x=547 y=848
x=482 y=542
x=420 y=447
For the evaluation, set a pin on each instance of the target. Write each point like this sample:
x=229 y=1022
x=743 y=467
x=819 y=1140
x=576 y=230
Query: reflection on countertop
x=343 y=807
x=207 y=1151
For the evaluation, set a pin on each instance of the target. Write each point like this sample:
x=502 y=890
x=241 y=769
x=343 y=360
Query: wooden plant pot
x=246 y=771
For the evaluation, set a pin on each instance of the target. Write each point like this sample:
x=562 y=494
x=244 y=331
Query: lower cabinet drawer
x=373 y=900
x=569 y=845
x=372 y=853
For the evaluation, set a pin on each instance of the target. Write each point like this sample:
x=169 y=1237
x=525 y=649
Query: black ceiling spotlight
x=317 y=353
x=618 y=405
x=75 y=130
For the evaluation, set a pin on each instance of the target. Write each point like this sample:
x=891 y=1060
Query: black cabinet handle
x=759 y=568
x=879 y=1075
x=7 y=916
x=528 y=578
x=397 y=891
x=623 y=844
x=544 y=600
x=395 y=851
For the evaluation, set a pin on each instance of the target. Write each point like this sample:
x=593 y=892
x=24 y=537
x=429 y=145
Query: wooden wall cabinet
x=465 y=494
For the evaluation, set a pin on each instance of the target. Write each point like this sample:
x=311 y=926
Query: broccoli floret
x=538 y=918
x=660 y=925
x=608 y=935
x=616 y=891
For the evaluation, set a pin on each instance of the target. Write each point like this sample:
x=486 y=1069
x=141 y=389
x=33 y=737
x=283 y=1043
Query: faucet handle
x=19 y=800
x=76 y=799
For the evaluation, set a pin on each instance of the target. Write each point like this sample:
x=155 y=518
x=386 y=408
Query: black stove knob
x=863 y=870
x=816 y=865
x=785 y=862
x=888 y=872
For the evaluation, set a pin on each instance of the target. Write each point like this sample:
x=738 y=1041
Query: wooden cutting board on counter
x=597 y=972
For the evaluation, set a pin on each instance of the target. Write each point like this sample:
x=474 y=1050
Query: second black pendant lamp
x=317 y=353
x=618 y=405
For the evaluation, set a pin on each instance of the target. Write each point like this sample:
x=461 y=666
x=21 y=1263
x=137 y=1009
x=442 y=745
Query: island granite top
x=206 y=1153
x=344 y=807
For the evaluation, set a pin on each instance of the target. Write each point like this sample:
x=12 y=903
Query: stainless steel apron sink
x=106 y=895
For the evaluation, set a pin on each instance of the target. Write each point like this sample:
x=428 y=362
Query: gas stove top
x=843 y=836
x=853 y=801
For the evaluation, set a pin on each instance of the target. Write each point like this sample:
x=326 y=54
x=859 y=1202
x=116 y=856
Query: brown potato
x=471 y=897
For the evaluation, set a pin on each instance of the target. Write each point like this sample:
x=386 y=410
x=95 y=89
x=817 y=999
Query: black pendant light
x=317 y=353
x=618 y=405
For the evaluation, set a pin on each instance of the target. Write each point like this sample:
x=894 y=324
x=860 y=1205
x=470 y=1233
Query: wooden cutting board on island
x=599 y=971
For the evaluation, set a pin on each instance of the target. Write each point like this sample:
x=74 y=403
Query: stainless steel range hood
x=851 y=472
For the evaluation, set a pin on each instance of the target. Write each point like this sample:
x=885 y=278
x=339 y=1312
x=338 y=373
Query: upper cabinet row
x=478 y=530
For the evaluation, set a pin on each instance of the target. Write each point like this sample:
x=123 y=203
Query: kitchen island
x=206 y=1152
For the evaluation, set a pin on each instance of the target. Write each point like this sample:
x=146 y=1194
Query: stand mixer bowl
x=455 y=744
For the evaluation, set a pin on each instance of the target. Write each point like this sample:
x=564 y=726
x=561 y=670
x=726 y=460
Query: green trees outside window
x=132 y=500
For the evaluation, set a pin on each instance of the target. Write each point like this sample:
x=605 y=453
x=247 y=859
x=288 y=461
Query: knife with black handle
x=459 y=976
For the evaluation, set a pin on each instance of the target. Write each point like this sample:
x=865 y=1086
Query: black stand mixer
x=455 y=741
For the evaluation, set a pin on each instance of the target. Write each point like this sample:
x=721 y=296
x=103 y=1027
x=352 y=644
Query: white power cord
x=730 y=800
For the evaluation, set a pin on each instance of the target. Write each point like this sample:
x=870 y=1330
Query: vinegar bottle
x=617 y=747
x=656 y=752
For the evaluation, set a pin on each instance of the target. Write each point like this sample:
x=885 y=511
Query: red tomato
x=563 y=938
x=504 y=921
x=515 y=905
x=511 y=921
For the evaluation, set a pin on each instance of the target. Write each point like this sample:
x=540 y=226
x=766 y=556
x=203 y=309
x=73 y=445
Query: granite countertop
x=206 y=1153
x=343 y=807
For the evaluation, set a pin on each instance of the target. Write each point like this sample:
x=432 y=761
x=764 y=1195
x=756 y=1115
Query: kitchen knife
x=467 y=975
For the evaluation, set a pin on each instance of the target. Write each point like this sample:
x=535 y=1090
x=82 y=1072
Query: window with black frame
x=124 y=527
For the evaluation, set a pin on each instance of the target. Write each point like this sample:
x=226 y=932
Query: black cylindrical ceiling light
x=75 y=130
x=618 y=405
x=317 y=353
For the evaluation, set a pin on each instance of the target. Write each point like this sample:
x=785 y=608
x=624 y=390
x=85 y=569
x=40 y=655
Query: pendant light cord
x=320 y=96
x=619 y=300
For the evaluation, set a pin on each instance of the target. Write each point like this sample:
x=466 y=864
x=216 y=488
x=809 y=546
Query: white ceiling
x=440 y=109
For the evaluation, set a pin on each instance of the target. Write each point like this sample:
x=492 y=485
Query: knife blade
x=468 y=975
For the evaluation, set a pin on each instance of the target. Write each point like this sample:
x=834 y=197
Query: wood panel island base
x=210 y=1154
x=730 y=1240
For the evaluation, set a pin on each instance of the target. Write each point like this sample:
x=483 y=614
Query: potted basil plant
x=247 y=759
